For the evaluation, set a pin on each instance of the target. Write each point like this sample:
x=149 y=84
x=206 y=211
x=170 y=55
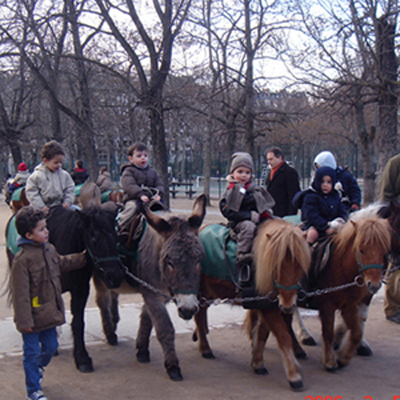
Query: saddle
x=220 y=262
x=321 y=252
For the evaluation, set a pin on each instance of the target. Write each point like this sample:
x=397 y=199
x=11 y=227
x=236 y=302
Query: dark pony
x=72 y=232
x=281 y=257
x=165 y=267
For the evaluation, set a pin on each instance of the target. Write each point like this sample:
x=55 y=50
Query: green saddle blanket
x=105 y=196
x=215 y=263
x=293 y=219
x=16 y=194
x=78 y=189
x=12 y=236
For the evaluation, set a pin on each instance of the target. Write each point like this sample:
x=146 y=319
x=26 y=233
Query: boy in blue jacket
x=322 y=210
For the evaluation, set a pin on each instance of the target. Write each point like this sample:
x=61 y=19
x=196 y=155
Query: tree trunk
x=367 y=153
x=387 y=105
x=86 y=128
x=157 y=134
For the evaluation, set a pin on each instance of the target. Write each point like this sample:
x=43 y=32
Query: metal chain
x=318 y=292
x=238 y=301
x=148 y=285
x=358 y=281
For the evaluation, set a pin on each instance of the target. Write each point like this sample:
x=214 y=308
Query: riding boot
x=244 y=262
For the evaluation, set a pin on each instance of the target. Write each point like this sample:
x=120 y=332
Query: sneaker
x=41 y=371
x=394 y=318
x=38 y=395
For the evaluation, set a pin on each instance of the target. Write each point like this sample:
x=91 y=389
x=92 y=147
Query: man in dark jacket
x=282 y=183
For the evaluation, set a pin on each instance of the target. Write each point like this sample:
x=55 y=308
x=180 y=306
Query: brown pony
x=359 y=250
x=391 y=212
x=21 y=202
x=281 y=258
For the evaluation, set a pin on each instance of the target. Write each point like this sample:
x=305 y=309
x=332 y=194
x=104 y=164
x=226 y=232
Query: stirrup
x=244 y=273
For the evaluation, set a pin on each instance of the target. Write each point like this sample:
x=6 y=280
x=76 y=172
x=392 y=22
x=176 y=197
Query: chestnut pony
x=355 y=266
x=281 y=257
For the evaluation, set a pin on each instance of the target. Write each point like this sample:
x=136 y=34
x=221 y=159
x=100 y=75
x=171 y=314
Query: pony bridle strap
x=363 y=267
x=99 y=260
x=277 y=285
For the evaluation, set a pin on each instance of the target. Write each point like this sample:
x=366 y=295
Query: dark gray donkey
x=165 y=267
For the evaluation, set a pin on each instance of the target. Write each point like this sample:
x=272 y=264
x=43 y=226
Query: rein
x=99 y=260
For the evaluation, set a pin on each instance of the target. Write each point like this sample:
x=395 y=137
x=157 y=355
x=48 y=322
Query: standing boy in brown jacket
x=36 y=295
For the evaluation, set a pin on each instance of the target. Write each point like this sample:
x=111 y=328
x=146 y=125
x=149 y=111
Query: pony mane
x=371 y=231
x=370 y=211
x=278 y=243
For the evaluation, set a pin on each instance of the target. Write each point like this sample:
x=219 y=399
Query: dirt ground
x=119 y=376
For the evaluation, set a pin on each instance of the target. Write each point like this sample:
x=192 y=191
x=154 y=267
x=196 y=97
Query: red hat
x=22 y=167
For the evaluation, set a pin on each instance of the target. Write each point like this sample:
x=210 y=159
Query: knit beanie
x=241 y=159
x=22 y=167
x=325 y=159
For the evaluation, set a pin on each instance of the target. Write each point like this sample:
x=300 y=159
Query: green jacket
x=389 y=188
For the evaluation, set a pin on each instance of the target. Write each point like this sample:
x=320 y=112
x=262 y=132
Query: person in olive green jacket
x=389 y=190
x=36 y=294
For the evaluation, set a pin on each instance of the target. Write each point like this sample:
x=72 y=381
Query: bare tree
x=353 y=63
x=158 y=57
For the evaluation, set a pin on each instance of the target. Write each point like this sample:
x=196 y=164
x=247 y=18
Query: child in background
x=79 y=174
x=104 y=180
x=50 y=185
x=19 y=180
x=36 y=295
x=139 y=181
x=245 y=205
x=322 y=210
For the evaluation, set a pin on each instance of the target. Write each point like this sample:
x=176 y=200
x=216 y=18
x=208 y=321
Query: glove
x=255 y=217
x=337 y=223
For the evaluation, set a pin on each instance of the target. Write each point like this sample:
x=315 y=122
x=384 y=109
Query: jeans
x=38 y=348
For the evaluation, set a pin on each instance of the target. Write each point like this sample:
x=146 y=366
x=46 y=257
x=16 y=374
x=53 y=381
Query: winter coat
x=79 y=175
x=36 y=285
x=283 y=186
x=389 y=188
x=240 y=203
x=104 y=181
x=348 y=188
x=20 y=178
x=317 y=208
x=134 y=179
x=45 y=188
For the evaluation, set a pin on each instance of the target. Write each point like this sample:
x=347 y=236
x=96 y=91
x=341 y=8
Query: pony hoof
x=364 y=351
x=331 y=369
x=194 y=337
x=85 y=368
x=340 y=364
x=143 y=356
x=175 y=374
x=261 y=371
x=309 y=341
x=209 y=356
x=112 y=340
x=302 y=355
x=296 y=386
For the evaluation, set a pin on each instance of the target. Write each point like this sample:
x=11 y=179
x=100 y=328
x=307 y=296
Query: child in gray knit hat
x=245 y=205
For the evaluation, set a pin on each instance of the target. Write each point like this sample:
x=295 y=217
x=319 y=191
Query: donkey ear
x=83 y=216
x=199 y=212
x=158 y=223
